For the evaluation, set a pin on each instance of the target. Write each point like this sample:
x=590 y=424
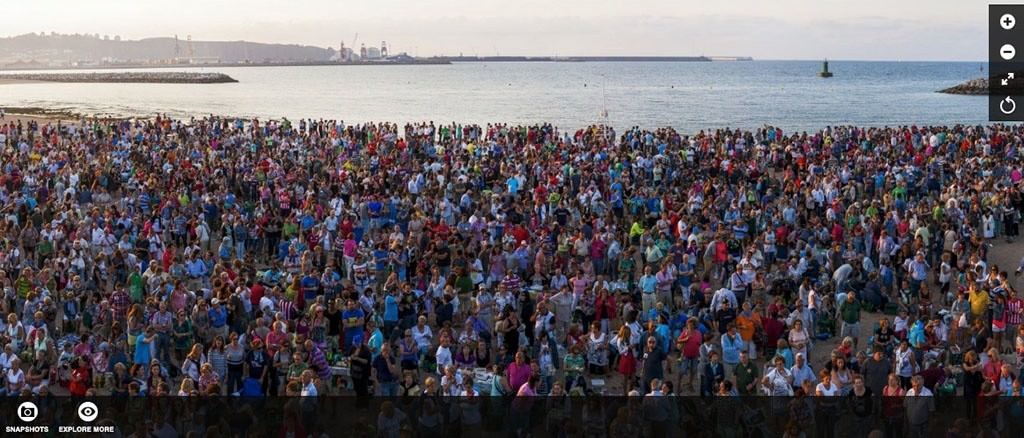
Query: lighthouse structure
x=824 y=73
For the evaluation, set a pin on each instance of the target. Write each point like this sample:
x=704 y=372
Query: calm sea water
x=688 y=96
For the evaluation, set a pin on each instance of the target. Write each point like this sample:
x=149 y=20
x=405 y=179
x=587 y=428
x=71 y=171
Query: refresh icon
x=1007 y=106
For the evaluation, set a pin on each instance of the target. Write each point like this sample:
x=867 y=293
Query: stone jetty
x=973 y=87
x=124 y=77
x=979 y=87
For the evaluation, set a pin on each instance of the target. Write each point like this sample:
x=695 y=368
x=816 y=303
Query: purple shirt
x=518 y=375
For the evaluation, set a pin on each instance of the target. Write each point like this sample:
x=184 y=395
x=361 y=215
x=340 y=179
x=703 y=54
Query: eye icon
x=88 y=411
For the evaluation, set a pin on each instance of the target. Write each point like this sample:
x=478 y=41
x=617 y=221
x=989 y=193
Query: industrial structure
x=347 y=52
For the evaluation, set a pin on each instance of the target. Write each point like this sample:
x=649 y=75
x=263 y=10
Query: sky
x=906 y=30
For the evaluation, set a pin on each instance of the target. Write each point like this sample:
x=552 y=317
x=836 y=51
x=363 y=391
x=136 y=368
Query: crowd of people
x=220 y=256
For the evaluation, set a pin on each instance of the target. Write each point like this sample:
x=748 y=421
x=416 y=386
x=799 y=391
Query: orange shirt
x=746 y=327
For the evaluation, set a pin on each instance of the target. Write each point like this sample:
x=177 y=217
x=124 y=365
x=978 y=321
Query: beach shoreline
x=45 y=116
x=5 y=81
x=38 y=115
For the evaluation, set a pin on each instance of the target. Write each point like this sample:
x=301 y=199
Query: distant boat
x=824 y=73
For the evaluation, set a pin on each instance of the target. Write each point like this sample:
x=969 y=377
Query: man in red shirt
x=773 y=329
x=256 y=292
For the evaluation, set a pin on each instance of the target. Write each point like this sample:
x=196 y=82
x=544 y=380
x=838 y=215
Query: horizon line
x=437 y=55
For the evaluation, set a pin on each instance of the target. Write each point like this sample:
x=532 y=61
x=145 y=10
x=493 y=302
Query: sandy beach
x=41 y=116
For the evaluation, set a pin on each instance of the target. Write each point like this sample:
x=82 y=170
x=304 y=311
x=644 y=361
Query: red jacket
x=604 y=308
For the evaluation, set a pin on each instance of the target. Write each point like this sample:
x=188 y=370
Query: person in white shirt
x=308 y=385
x=7 y=357
x=778 y=381
x=422 y=334
x=920 y=405
x=558 y=281
x=267 y=303
x=721 y=295
x=543 y=319
x=826 y=388
x=444 y=354
x=14 y=378
x=801 y=372
x=451 y=382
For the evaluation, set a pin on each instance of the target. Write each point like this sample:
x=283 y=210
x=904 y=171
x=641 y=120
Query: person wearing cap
x=257 y=365
x=218 y=318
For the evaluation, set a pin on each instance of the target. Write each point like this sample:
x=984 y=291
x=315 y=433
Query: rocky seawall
x=979 y=87
x=973 y=87
x=123 y=78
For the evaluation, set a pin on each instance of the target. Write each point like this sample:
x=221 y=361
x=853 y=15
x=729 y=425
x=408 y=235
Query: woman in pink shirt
x=518 y=372
x=277 y=336
x=579 y=283
x=528 y=389
x=179 y=298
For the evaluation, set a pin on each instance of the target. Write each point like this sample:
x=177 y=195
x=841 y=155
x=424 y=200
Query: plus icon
x=1007 y=21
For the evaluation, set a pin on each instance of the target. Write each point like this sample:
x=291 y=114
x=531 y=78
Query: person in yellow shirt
x=636 y=230
x=979 y=301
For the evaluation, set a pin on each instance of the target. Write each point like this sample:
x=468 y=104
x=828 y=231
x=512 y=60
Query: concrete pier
x=122 y=77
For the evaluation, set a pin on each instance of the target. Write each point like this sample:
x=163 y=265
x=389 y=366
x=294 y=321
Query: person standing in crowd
x=712 y=375
x=920 y=405
x=850 y=311
x=653 y=362
x=732 y=345
x=746 y=375
x=217 y=241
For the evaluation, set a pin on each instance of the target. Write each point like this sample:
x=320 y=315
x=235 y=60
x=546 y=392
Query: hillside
x=52 y=50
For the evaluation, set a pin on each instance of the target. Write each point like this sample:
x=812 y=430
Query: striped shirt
x=1014 y=309
x=119 y=302
x=219 y=361
x=287 y=307
x=510 y=282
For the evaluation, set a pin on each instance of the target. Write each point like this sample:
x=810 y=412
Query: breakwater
x=980 y=86
x=124 y=77
x=973 y=87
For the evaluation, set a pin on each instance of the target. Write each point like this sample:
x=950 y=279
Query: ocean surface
x=686 y=95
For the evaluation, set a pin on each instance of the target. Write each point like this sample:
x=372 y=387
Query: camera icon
x=28 y=411
x=88 y=411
